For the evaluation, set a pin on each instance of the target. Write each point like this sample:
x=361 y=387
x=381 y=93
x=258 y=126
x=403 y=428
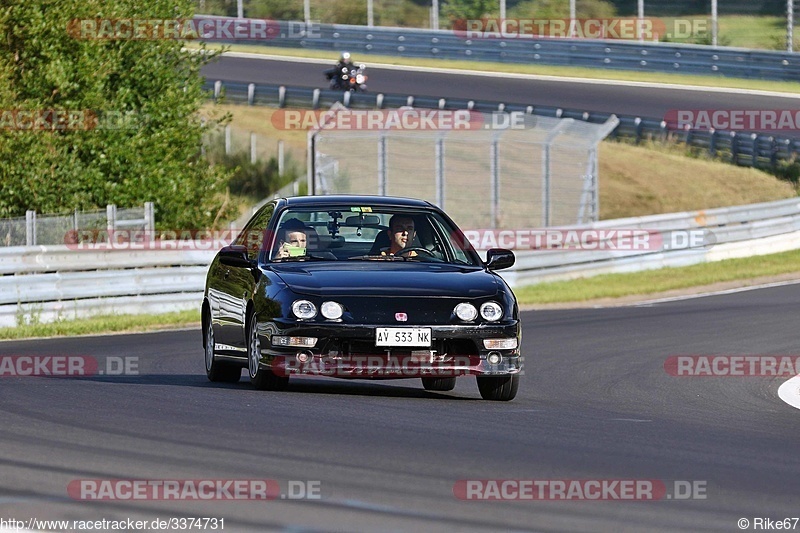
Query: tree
x=468 y=9
x=138 y=137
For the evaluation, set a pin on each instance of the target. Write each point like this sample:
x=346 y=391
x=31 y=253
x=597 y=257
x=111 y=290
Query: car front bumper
x=349 y=351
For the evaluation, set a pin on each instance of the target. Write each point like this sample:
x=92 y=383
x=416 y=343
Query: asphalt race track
x=651 y=102
x=595 y=404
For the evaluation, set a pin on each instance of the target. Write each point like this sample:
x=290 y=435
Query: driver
x=401 y=234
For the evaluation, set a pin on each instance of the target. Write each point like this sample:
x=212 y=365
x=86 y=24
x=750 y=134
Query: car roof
x=348 y=200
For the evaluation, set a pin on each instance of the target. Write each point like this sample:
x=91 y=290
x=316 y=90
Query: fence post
x=551 y=135
x=734 y=148
x=311 y=162
x=111 y=220
x=253 y=157
x=281 y=166
x=712 y=143
x=227 y=139
x=149 y=221
x=30 y=228
x=382 y=165
x=251 y=93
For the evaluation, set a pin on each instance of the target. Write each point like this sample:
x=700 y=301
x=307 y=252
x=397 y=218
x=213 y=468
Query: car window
x=252 y=236
x=362 y=233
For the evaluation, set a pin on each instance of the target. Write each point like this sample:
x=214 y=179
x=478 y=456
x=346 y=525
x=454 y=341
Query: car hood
x=386 y=279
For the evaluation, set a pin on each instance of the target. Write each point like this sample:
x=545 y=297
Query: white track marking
x=789 y=392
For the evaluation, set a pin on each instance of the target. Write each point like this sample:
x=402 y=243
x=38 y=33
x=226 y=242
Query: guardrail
x=740 y=148
x=727 y=233
x=607 y=54
x=50 y=283
x=47 y=283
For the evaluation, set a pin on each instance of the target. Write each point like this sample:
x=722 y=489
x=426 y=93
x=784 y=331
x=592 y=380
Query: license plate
x=403 y=337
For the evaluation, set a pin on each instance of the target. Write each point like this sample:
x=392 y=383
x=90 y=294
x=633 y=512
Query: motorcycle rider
x=335 y=74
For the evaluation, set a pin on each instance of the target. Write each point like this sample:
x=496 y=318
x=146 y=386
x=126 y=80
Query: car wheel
x=499 y=388
x=439 y=384
x=217 y=371
x=261 y=378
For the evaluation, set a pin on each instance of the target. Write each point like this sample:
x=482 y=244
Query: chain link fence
x=736 y=21
x=541 y=172
x=35 y=229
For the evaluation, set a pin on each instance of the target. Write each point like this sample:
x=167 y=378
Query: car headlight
x=466 y=312
x=331 y=310
x=304 y=309
x=491 y=311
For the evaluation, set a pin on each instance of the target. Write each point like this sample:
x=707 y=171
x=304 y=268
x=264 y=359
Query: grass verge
x=103 y=324
x=653 y=282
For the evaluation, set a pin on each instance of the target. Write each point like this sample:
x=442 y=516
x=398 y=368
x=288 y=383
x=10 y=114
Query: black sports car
x=366 y=287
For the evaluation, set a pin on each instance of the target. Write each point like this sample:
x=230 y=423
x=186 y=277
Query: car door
x=237 y=284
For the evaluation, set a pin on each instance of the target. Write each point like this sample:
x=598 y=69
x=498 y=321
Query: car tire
x=261 y=378
x=439 y=384
x=498 y=388
x=217 y=371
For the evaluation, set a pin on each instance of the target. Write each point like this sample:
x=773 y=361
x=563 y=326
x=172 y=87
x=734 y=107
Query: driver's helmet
x=345 y=57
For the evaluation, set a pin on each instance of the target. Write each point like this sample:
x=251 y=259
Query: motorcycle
x=348 y=78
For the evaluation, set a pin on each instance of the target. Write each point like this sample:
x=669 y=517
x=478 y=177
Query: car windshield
x=369 y=233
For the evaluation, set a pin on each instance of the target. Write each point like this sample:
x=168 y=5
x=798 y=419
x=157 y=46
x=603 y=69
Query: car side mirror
x=499 y=258
x=235 y=255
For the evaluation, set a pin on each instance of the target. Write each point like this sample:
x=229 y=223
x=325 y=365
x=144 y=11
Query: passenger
x=293 y=239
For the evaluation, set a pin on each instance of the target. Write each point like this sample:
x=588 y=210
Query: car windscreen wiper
x=378 y=258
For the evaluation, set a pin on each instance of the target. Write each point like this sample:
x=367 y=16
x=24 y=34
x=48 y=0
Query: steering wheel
x=415 y=249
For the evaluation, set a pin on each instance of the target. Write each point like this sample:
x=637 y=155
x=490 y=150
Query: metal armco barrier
x=47 y=283
x=606 y=54
x=740 y=148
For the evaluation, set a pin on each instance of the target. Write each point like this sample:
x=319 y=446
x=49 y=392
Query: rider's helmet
x=345 y=57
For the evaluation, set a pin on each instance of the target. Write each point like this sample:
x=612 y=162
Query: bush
x=557 y=9
x=155 y=84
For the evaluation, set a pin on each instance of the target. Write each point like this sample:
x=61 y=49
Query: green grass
x=741 y=31
x=542 y=70
x=652 y=282
x=103 y=324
